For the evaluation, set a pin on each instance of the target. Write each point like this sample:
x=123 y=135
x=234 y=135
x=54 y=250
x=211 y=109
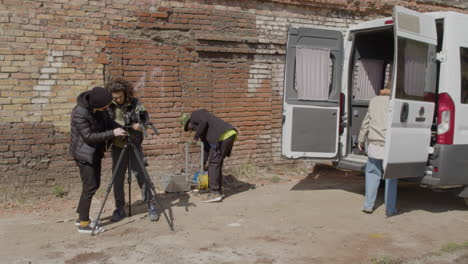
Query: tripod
x=128 y=150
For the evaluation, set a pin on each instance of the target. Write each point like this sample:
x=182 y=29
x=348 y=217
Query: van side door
x=411 y=108
x=311 y=111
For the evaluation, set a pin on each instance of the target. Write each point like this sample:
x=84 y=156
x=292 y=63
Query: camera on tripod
x=140 y=117
x=130 y=118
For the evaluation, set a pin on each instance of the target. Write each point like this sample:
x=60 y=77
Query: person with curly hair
x=124 y=102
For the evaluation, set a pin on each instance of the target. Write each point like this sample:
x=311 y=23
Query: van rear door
x=311 y=110
x=412 y=100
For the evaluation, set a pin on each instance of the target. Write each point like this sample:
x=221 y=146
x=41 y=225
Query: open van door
x=311 y=105
x=412 y=100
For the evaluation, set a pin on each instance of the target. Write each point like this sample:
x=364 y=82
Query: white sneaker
x=92 y=222
x=89 y=229
x=213 y=197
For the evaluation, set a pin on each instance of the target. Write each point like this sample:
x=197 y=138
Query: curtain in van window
x=368 y=80
x=415 y=70
x=313 y=69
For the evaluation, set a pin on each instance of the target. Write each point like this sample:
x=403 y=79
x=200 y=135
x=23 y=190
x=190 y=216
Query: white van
x=330 y=81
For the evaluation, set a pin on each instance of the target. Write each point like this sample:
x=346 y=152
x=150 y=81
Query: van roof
x=444 y=14
x=387 y=21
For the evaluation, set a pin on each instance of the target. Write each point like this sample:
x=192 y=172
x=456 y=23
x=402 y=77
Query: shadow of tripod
x=128 y=150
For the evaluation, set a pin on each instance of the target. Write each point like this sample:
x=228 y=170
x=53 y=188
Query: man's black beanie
x=99 y=97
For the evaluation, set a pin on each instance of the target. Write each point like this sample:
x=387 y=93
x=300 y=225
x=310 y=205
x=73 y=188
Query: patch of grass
x=452 y=247
x=275 y=179
x=245 y=171
x=300 y=169
x=59 y=191
x=269 y=167
x=445 y=250
x=384 y=260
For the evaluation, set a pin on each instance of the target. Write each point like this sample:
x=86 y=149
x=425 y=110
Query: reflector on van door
x=445 y=119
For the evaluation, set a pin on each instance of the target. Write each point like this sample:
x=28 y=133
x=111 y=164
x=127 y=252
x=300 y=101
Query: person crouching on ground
x=124 y=102
x=91 y=127
x=373 y=129
x=218 y=138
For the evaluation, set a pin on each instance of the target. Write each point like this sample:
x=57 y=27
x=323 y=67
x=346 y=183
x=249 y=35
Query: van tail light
x=388 y=22
x=445 y=120
x=342 y=105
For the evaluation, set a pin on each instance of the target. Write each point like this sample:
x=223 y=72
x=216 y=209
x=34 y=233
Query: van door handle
x=404 y=112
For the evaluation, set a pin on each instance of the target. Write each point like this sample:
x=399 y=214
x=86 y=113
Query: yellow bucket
x=203 y=181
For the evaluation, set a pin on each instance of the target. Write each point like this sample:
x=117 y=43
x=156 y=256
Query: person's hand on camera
x=119 y=132
x=136 y=126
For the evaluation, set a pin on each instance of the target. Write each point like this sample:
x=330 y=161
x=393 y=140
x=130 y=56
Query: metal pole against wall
x=201 y=156
x=186 y=159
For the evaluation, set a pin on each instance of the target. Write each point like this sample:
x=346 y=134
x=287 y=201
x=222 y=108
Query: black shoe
x=118 y=215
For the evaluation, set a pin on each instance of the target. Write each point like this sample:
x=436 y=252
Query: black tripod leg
x=109 y=186
x=129 y=169
x=148 y=181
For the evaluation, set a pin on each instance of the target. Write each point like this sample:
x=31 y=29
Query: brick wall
x=225 y=56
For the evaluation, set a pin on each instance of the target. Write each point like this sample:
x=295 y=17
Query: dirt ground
x=306 y=217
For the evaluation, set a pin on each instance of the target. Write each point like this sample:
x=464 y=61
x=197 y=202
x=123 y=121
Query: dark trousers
x=215 y=163
x=91 y=179
x=119 y=193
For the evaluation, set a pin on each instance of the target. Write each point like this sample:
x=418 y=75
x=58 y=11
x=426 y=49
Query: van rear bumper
x=449 y=164
x=352 y=162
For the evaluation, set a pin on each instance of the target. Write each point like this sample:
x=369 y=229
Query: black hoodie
x=208 y=127
x=89 y=130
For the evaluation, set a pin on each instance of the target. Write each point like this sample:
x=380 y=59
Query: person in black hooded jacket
x=91 y=127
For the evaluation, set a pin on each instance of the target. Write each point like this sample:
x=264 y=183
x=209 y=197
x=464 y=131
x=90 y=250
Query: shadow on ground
x=163 y=201
x=411 y=196
x=231 y=186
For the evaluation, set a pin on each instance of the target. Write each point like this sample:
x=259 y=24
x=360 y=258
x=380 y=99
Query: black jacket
x=89 y=131
x=208 y=127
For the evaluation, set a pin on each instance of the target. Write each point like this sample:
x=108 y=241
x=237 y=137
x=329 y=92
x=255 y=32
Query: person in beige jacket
x=373 y=129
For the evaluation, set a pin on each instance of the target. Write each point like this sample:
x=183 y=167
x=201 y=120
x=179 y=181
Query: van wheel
x=466 y=200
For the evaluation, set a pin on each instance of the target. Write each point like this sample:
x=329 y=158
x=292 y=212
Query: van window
x=464 y=74
x=367 y=79
x=411 y=69
x=314 y=68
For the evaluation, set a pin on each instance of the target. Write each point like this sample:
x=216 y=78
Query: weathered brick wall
x=225 y=56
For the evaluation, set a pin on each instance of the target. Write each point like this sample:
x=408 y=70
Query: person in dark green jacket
x=124 y=102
